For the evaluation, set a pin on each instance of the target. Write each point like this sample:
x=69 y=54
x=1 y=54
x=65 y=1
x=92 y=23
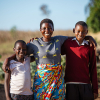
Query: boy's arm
x=7 y=85
x=93 y=72
x=6 y=63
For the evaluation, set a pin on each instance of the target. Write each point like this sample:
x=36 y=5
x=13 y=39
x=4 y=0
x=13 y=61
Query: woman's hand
x=92 y=42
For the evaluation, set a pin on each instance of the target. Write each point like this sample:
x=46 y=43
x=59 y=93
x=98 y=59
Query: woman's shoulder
x=60 y=37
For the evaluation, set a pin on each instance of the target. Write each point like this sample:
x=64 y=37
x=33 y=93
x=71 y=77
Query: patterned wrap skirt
x=49 y=82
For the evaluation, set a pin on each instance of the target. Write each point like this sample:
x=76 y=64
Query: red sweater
x=80 y=63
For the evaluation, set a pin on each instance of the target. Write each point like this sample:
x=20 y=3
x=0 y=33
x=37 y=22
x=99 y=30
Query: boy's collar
x=83 y=43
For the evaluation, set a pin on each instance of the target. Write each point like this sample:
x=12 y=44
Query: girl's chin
x=21 y=57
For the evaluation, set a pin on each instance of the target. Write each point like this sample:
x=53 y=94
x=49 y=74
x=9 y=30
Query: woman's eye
x=47 y=28
x=50 y=28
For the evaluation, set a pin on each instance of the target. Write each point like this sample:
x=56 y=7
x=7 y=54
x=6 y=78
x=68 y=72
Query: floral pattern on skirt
x=49 y=82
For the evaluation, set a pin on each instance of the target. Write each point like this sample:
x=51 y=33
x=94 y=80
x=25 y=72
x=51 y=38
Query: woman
x=48 y=80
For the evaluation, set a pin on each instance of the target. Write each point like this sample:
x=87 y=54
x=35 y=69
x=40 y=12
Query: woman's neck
x=46 y=39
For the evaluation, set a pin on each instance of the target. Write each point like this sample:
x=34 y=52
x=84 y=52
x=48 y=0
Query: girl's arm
x=7 y=85
x=6 y=63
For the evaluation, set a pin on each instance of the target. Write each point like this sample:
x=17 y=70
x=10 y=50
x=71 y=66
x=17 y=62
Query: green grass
x=98 y=71
x=1 y=72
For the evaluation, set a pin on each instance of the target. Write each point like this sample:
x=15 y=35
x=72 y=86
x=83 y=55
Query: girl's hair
x=46 y=21
x=19 y=41
x=81 y=23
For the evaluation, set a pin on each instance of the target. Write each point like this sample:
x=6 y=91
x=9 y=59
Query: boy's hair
x=19 y=41
x=46 y=21
x=81 y=23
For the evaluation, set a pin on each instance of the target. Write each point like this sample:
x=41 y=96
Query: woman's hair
x=81 y=23
x=19 y=41
x=46 y=21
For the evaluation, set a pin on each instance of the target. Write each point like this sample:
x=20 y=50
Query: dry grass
x=7 y=40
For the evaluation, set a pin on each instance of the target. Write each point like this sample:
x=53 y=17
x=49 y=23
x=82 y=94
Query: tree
x=93 y=20
x=13 y=31
x=44 y=9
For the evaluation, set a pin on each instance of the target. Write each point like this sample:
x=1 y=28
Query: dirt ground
x=2 y=92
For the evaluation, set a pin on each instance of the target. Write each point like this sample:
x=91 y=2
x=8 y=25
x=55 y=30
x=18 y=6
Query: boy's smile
x=80 y=33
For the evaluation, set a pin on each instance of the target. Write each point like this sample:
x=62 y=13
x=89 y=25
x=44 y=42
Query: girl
x=19 y=75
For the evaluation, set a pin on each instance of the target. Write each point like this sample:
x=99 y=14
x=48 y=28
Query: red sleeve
x=93 y=70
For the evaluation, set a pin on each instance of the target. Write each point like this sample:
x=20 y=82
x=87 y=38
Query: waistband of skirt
x=48 y=66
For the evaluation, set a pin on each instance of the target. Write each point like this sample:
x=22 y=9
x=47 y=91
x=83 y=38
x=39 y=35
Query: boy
x=80 y=69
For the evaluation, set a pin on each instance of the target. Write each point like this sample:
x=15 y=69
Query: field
x=7 y=40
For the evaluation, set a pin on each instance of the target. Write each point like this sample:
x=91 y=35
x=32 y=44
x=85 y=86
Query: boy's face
x=80 y=33
x=20 y=50
x=47 y=30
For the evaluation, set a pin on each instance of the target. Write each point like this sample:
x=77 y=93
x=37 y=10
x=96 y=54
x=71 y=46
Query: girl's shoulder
x=13 y=64
x=27 y=58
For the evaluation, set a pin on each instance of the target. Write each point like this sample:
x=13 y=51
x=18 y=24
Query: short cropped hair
x=81 y=23
x=46 y=21
x=19 y=41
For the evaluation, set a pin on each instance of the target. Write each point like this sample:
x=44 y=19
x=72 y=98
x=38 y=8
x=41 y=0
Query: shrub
x=1 y=72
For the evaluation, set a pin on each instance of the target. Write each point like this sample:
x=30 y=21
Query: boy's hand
x=32 y=39
x=95 y=95
x=6 y=65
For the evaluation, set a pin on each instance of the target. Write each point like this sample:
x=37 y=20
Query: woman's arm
x=91 y=40
x=7 y=85
x=6 y=63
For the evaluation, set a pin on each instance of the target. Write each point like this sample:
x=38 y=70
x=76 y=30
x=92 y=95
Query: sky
x=26 y=15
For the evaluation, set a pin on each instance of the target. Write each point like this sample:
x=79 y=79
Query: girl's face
x=20 y=51
x=47 y=31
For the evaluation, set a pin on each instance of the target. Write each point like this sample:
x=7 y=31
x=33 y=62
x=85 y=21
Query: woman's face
x=47 y=31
